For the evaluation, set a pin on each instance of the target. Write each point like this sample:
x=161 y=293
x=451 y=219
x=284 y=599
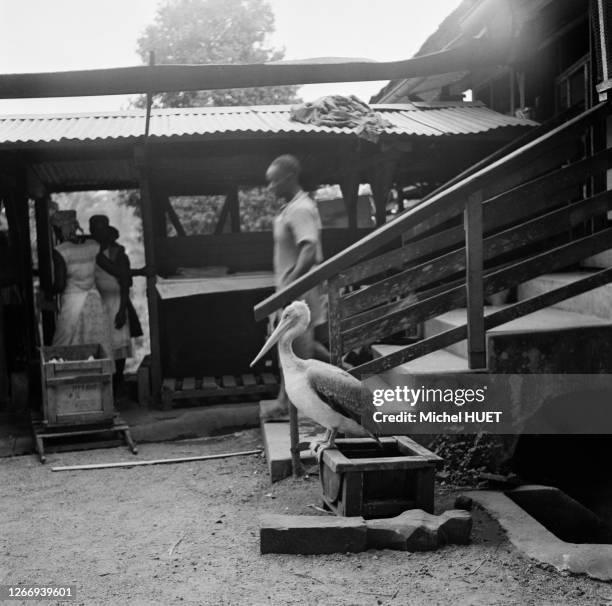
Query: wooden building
x=550 y=65
x=215 y=151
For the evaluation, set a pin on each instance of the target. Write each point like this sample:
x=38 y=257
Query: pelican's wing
x=339 y=389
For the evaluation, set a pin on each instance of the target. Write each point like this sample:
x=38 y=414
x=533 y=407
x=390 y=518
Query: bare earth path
x=188 y=534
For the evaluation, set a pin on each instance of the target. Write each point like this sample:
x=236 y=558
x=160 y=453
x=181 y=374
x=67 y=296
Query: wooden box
x=76 y=385
x=361 y=479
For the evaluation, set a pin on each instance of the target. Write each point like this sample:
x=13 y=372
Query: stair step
x=440 y=360
x=602 y=260
x=596 y=302
x=437 y=361
x=542 y=320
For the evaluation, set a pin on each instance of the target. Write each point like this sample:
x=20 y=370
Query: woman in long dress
x=113 y=280
x=82 y=319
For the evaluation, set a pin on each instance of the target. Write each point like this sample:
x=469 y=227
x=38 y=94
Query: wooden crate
x=360 y=479
x=76 y=390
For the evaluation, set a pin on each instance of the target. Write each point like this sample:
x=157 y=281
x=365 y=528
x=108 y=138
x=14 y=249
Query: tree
x=214 y=31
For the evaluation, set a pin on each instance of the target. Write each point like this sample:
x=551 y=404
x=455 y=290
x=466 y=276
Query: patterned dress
x=82 y=319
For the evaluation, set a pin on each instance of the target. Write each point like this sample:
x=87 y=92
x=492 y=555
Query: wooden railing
x=535 y=209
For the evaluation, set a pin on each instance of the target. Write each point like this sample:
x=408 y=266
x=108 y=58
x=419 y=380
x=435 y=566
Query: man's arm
x=307 y=257
x=305 y=228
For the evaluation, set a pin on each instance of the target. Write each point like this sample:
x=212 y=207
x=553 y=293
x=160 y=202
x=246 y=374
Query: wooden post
x=146 y=206
x=294 y=439
x=45 y=267
x=334 y=320
x=17 y=210
x=234 y=209
x=474 y=281
x=381 y=184
x=350 y=192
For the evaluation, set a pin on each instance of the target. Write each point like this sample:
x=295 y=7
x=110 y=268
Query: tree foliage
x=214 y=31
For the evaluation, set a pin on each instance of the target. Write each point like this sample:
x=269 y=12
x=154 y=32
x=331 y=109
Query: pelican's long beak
x=283 y=325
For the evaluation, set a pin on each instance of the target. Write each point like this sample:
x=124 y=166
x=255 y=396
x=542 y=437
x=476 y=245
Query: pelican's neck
x=285 y=347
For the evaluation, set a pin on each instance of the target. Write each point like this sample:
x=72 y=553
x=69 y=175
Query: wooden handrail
x=439 y=208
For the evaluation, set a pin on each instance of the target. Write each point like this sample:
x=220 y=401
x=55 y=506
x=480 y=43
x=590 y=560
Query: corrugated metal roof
x=413 y=119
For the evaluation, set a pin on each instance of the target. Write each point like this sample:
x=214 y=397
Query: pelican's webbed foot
x=319 y=447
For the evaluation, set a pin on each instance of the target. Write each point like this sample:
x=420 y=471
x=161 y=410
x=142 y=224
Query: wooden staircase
x=522 y=220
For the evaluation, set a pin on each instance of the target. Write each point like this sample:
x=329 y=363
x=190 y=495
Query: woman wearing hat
x=113 y=280
x=82 y=319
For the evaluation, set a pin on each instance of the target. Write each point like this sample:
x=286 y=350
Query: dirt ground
x=188 y=534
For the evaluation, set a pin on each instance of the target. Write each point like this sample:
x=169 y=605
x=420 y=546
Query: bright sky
x=57 y=35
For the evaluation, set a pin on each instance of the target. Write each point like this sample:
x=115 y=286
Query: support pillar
x=146 y=204
x=45 y=267
x=381 y=184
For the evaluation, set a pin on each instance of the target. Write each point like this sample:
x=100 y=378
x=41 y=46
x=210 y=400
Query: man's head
x=98 y=227
x=283 y=176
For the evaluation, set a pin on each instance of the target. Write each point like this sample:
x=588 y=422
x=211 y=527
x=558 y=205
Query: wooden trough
x=361 y=479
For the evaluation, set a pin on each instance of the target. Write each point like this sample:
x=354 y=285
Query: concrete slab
x=596 y=302
x=277 y=442
x=536 y=542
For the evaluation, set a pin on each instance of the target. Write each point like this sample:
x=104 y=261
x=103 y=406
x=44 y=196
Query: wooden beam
x=334 y=323
x=349 y=185
x=381 y=183
x=474 y=261
x=140 y=159
x=223 y=216
x=136 y=463
x=45 y=267
x=18 y=216
x=174 y=218
x=163 y=78
x=234 y=208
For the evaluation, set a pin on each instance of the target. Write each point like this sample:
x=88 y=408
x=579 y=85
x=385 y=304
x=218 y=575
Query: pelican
x=325 y=393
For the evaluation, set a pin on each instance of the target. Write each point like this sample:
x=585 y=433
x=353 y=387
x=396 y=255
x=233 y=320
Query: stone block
x=416 y=530
x=455 y=527
x=309 y=535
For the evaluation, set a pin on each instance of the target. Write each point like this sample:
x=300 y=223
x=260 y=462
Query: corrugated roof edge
x=228 y=109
